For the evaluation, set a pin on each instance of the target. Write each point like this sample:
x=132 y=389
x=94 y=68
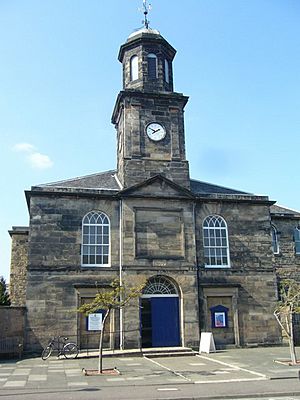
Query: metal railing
x=89 y=341
x=11 y=346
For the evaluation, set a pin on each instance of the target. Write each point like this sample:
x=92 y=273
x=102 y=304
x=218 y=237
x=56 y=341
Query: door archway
x=159 y=316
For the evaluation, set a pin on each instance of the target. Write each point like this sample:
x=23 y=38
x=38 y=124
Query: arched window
x=167 y=72
x=95 y=239
x=275 y=243
x=159 y=285
x=134 y=68
x=152 y=66
x=215 y=240
x=297 y=239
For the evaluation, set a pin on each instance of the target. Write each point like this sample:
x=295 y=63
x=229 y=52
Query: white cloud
x=36 y=159
x=24 y=147
x=40 y=161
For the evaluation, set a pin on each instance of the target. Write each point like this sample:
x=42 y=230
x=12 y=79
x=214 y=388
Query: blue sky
x=238 y=60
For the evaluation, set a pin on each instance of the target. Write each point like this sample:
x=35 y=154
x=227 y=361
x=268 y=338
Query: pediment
x=157 y=186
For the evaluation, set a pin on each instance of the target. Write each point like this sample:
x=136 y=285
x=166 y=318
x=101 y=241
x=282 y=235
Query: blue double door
x=160 y=322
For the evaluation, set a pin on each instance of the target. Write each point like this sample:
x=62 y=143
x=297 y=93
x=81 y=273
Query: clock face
x=155 y=131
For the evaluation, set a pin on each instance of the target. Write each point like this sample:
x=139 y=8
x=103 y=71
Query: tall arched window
x=95 y=239
x=297 y=239
x=275 y=243
x=215 y=240
x=152 y=66
x=167 y=72
x=134 y=68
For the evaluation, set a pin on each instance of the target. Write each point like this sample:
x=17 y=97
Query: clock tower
x=148 y=114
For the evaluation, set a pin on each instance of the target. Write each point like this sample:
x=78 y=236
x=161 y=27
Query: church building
x=211 y=256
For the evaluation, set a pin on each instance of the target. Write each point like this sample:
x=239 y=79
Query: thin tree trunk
x=287 y=324
x=100 y=368
x=277 y=316
x=291 y=340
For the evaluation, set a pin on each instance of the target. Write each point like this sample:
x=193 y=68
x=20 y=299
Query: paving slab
x=234 y=365
x=260 y=360
x=209 y=370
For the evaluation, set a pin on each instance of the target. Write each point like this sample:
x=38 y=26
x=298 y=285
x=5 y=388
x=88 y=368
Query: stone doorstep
x=170 y=354
x=148 y=352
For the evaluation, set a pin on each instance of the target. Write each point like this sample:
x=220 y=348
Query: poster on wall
x=220 y=320
x=94 y=322
x=219 y=317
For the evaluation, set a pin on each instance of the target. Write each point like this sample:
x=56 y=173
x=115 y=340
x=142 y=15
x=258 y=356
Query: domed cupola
x=147 y=62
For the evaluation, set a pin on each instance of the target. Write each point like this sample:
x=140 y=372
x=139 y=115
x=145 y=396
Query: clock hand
x=154 y=130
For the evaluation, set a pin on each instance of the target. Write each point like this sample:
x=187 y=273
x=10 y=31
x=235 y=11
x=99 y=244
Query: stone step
x=171 y=354
x=147 y=352
x=168 y=352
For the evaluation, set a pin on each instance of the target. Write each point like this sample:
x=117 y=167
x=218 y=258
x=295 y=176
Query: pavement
x=253 y=365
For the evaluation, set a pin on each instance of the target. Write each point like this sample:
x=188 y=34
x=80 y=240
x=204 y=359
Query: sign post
x=207 y=343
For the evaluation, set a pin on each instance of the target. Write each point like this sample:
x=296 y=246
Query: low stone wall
x=11 y=330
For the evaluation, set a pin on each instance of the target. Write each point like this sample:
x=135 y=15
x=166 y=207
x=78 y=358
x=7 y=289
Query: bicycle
x=60 y=344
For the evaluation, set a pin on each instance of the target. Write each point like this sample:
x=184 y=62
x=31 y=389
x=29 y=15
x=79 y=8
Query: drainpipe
x=121 y=241
x=120 y=270
x=197 y=272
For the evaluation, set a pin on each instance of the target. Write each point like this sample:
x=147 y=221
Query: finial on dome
x=146 y=23
x=145 y=10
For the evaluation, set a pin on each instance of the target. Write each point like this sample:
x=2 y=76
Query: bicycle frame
x=62 y=346
x=57 y=343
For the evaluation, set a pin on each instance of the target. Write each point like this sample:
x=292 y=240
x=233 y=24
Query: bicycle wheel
x=47 y=352
x=70 y=350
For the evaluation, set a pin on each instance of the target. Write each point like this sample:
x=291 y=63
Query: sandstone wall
x=19 y=265
x=251 y=270
x=12 y=328
x=55 y=270
x=287 y=262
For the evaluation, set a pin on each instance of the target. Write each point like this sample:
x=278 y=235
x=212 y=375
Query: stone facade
x=156 y=216
x=251 y=271
x=55 y=271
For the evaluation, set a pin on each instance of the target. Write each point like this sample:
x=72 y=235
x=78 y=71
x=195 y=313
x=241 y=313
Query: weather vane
x=146 y=8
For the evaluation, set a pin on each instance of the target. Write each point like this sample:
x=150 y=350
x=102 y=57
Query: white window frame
x=134 y=68
x=93 y=232
x=214 y=227
x=275 y=241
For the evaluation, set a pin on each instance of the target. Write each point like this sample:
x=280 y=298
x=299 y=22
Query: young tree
x=4 y=296
x=115 y=297
x=288 y=304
